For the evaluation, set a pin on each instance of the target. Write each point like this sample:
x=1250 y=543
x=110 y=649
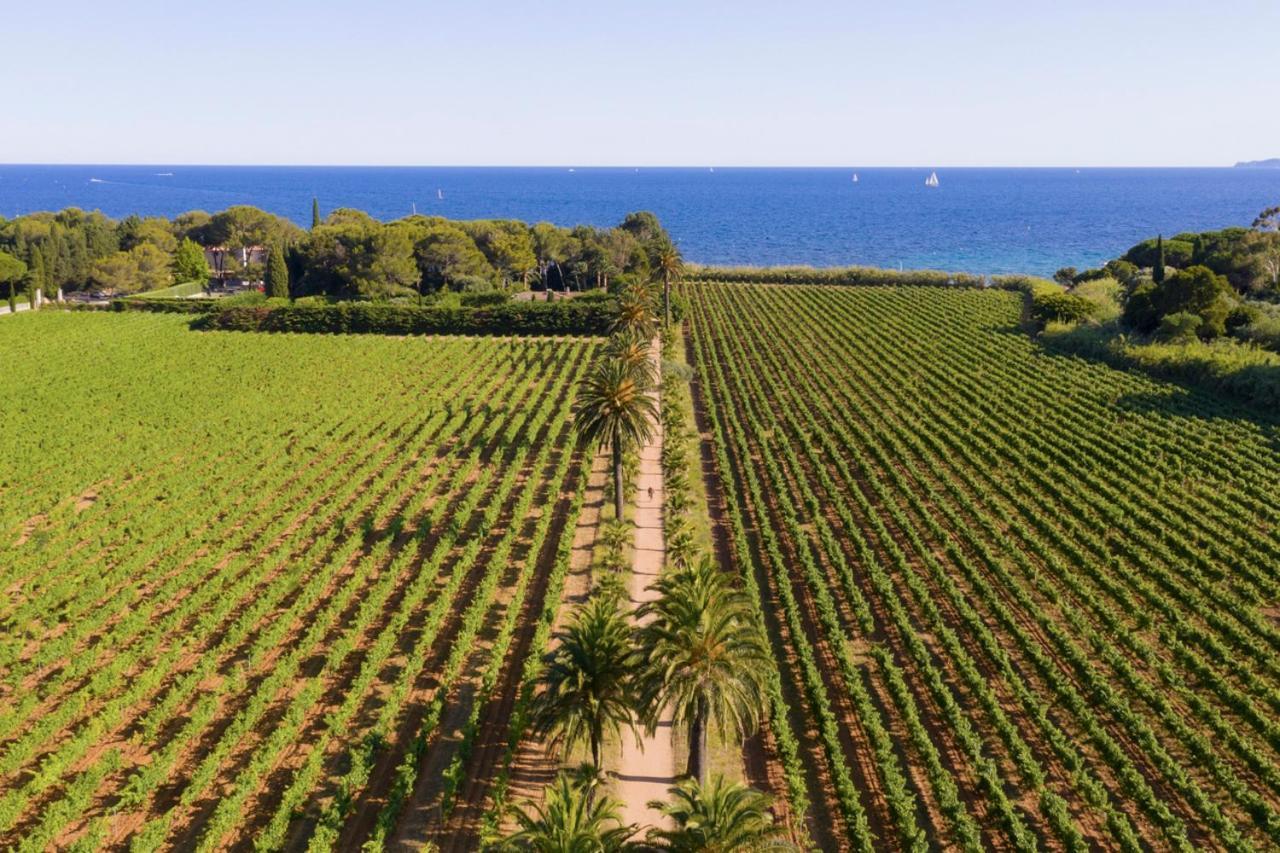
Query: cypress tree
x=277 y=274
x=1157 y=272
x=1197 y=250
x=315 y=211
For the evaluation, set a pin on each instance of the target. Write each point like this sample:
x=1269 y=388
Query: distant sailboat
x=932 y=180
x=440 y=195
x=855 y=177
x=414 y=206
x=96 y=181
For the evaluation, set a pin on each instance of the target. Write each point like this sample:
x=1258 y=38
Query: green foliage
x=1180 y=327
x=570 y=819
x=189 y=262
x=12 y=270
x=1105 y=294
x=721 y=817
x=613 y=409
x=586 y=692
x=1059 y=308
x=142 y=268
x=276 y=280
x=1196 y=290
x=347 y=254
x=511 y=318
x=209 y=538
x=704 y=657
x=1149 y=253
x=1142 y=308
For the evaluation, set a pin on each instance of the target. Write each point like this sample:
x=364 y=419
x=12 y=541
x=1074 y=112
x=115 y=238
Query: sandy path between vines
x=646 y=771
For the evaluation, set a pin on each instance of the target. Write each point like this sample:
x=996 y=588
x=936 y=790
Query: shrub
x=475 y=299
x=1059 y=308
x=1177 y=253
x=1142 y=308
x=471 y=284
x=1180 y=327
x=1241 y=316
x=1264 y=331
x=1104 y=292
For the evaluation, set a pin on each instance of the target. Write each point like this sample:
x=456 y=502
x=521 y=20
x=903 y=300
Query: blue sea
x=976 y=220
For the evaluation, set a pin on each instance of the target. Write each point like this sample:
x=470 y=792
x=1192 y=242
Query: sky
x=556 y=82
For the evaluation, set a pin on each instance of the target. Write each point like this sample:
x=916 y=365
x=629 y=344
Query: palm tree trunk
x=666 y=300
x=698 y=745
x=617 y=481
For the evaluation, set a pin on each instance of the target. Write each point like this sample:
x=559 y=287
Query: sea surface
x=975 y=220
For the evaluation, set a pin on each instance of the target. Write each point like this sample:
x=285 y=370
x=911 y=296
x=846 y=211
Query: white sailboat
x=440 y=195
x=932 y=180
x=855 y=177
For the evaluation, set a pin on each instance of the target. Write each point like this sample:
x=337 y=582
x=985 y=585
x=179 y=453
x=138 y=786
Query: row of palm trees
x=721 y=817
x=696 y=650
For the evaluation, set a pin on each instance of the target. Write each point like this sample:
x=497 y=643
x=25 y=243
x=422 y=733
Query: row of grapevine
x=1061 y=630
x=271 y=582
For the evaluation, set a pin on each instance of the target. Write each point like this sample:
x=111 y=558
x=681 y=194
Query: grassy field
x=1017 y=599
x=244 y=574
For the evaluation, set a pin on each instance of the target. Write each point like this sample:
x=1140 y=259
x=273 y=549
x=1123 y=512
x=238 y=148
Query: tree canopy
x=348 y=253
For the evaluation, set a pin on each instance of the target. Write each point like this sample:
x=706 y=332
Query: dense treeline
x=1199 y=308
x=348 y=253
x=1195 y=285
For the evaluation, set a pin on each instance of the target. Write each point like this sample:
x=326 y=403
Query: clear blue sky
x=469 y=82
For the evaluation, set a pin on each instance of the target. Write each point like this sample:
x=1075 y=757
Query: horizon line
x=613 y=166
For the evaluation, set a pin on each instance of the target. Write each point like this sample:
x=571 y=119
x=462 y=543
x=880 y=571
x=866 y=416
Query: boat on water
x=440 y=195
x=932 y=180
x=855 y=177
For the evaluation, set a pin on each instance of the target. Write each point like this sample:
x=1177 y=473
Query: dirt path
x=647 y=770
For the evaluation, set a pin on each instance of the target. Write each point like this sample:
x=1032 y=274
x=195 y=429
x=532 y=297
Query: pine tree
x=35 y=276
x=189 y=263
x=1157 y=272
x=1197 y=250
x=315 y=211
x=277 y=274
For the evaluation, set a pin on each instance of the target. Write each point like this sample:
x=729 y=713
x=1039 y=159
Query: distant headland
x=1272 y=163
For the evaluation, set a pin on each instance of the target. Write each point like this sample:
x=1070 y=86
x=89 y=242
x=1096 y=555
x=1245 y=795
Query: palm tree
x=668 y=264
x=587 y=685
x=633 y=350
x=635 y=312
x=570 y=820
x=704 y=657
x=614 y=407
x=720 y=817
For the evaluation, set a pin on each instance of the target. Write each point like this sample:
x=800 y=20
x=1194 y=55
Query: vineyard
x=255 y=584
x=1016 y=599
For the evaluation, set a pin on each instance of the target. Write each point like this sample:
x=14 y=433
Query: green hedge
x=831 y=276
x=161 y=305
x=566 y=317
